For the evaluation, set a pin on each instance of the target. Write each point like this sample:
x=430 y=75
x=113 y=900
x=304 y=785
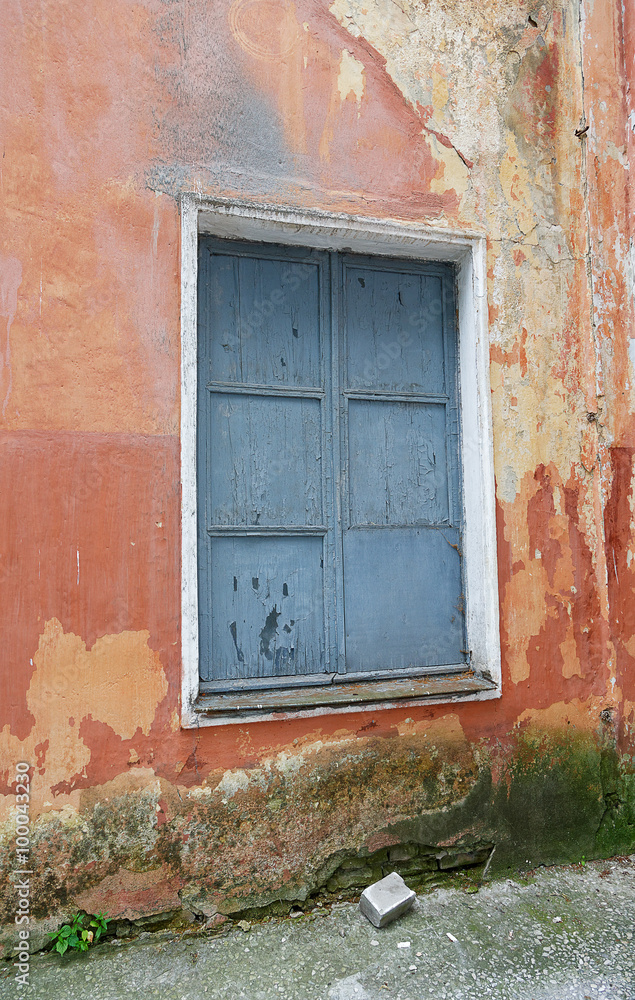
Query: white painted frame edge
x=246 y=220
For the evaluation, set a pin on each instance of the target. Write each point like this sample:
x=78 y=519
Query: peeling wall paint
x=71 y=685
x=447 y=113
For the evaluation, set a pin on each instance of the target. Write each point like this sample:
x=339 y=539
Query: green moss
x=552 y=802
x=616 y=832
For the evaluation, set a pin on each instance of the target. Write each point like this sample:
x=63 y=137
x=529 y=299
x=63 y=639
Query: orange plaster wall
x=610 y=158
x=110 y=110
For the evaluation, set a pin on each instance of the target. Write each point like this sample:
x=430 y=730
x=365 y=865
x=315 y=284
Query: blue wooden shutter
x=261 y=402
x=329 y=490
x=403 y=602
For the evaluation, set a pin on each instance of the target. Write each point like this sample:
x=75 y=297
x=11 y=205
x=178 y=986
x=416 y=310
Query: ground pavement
x=557 y=934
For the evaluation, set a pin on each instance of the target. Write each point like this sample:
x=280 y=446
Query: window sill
x=341 y=697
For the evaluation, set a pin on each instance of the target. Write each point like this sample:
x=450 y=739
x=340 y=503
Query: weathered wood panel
x=266 y=609
x=447 y=685
x=261 y=596
x=394 y=330
x=398 y=464
x=265 y=460
x=402 y=590
x=259 y=318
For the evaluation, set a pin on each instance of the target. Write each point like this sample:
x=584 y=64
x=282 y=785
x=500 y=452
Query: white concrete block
x=386 y=900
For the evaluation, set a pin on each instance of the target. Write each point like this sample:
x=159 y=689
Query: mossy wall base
x=335 y=818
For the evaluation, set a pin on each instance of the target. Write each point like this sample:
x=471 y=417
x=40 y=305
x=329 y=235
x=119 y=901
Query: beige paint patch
x=571 y=665
x=445 y=729
x=525 y=599
x=440 y=92
x=350 y=79
x=453 y=173
x=515 y=179
x=119 y=682
x=582 y=715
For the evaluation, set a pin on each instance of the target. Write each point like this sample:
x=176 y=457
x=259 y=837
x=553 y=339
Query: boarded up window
x=328 y=467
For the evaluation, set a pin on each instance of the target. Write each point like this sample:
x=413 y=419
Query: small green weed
x=80 y=933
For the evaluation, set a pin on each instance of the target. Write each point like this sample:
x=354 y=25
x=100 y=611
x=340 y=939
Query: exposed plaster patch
x=515 y=180
x=464 y=99
x=199 y=792
x=551 y=241
x=350 y=79
x=10 y=281
x=618 y=153
x=454 y=172
x=508 y=484
x=289 y=764
x=440 y=90
x=374 y=15
x=232 y=782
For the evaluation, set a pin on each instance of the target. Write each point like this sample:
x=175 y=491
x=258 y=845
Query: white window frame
x=378 y=237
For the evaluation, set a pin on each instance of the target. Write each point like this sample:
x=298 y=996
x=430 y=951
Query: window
x=331 y=564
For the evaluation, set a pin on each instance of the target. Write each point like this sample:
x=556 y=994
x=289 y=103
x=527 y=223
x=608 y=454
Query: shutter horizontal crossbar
x=257 y=530
x=397 y=397
x=432 y=525
x=247 y=389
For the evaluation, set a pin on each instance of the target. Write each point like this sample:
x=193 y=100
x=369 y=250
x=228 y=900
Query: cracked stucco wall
x=457 y=115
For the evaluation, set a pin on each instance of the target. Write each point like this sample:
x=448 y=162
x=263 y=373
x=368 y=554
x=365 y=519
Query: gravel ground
x=565 y=934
